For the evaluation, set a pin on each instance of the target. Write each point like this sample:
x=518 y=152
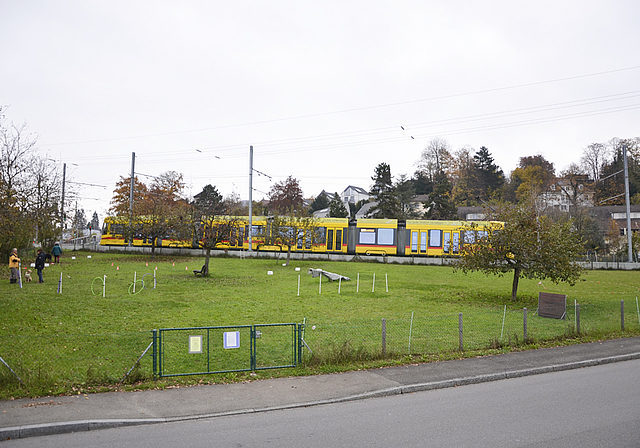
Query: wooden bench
x=202 y=271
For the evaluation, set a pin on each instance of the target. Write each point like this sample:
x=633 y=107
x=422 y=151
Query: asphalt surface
x=54 y=415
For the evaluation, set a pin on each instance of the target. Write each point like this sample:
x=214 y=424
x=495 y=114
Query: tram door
x=334 y=240
x=418 y=242
x=451 y=242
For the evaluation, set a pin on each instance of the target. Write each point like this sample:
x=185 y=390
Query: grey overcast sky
x=321 y=90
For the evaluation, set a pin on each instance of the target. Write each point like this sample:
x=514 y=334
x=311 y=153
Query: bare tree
x=435 y=158
x=594 y=157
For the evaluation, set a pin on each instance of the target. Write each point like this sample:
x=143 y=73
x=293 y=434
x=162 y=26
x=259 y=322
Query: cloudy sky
x=322 y=90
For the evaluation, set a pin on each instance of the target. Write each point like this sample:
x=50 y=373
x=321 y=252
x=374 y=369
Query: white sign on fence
x=195 y=344
x=231 y=339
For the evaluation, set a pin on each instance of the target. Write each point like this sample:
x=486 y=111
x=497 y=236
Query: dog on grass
x=27 y=276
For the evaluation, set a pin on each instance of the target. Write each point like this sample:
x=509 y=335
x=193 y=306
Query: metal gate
x=205 y=350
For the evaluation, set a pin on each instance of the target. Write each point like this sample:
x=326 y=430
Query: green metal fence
x=204 y=350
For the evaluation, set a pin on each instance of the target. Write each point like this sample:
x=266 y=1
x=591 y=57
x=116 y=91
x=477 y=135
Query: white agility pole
x=373 y=287
x=60 y=284
x=20 y=274
x=135 y=275
x=386 y=281
x=104 y=286
x=154 y=278
x=358 y=283
x=339 y=284
x=503 y=318
x=320 y=284
x=298 y=285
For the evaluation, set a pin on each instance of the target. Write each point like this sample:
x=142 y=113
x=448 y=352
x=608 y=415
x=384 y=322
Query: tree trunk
x=514 y=287
x=206 y=262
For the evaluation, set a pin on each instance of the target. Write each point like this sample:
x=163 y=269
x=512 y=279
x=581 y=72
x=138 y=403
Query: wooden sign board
x=552 y=305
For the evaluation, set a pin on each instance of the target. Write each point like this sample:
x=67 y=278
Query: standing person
x=56 y=252
x=40 y=265
x=14 y=265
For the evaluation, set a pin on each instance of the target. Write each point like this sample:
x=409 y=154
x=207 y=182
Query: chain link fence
x=331 y=342
x=43 y=362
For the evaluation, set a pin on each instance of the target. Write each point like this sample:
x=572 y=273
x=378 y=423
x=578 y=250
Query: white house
x=562 y=194
x=353 y=195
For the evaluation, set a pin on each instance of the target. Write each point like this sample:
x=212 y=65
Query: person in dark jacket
x=56 y=252
x=40 y=264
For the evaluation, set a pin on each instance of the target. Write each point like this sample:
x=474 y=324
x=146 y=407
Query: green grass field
x=78 y=340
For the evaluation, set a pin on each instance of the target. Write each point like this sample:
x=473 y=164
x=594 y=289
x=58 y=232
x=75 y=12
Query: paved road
x=53 y=415
x=591 y=407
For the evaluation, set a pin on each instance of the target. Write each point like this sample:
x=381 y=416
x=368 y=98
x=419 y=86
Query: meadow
x=76 y=340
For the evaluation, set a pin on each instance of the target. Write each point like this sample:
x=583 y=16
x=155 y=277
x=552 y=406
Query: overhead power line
x=356 y=109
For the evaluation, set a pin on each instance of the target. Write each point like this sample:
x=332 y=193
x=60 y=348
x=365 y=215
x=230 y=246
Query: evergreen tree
x=404 y=194
x=320 y=202
x=95 y=222
x=209 y=201
x=382 y=192
x=488 y=176
x=439 y=204
x=337 y=208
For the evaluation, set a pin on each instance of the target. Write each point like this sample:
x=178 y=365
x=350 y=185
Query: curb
x=45 y=429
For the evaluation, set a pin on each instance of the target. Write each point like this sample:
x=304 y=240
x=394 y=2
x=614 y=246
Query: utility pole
x=62 y=220
x=627 y=202
x=250 y=196
x=133 y=164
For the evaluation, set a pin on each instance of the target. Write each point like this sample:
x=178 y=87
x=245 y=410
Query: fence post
x=300 y=342
x=460 y=333
x=253 y=344
x=577 y=318
x=524 y=324
x=155 y=353
x=384 y=337
x=622 y=315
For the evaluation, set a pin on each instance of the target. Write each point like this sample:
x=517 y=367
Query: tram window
x=469 y=237
x=456 y=243
x=321 y=235
x=117 y=229
x=330 y=239
x=307 y=243
x=367 y=236
x=482 y=234
x=300 y=238
x=414 y=241
x=435 y=238
x=447 y=240
x=423 y=242
x=256 y=230
x=385 y=237
x=338 y=239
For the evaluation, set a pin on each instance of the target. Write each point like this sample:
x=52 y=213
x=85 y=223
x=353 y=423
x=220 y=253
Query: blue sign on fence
x=231 y=339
